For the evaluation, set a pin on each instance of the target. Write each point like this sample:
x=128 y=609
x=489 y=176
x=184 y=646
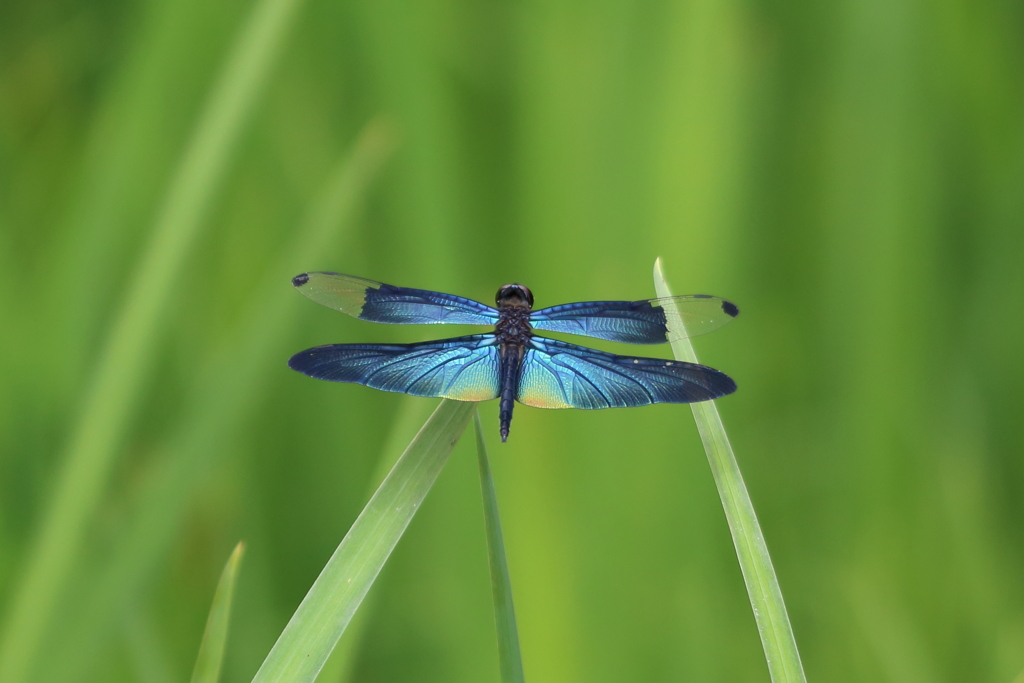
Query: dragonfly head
x=514 y=295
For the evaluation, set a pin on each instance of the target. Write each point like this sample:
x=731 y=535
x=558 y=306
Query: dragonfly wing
x=463 y=368
x=652 y=321
x=381 y=303
x=555 y=374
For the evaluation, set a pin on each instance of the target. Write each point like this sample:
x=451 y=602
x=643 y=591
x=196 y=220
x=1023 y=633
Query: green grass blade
x=314 y=629
x=509 y=657
x=412 y=413
x=215 y=637
x=127 y=352
x=762 y=585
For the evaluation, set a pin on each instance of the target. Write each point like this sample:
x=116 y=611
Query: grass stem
x=758 y=573
x=215 y=637
x=510 y=659
x=313 y=631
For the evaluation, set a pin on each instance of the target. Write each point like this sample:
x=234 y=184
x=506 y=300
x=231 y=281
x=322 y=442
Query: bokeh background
x=850 y=173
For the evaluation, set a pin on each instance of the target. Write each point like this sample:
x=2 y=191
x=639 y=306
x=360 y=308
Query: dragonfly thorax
x=513 y=325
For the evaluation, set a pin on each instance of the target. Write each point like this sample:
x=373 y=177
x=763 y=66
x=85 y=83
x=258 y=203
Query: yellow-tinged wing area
x=541 y=387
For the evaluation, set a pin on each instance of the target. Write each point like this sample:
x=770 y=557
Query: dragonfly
x=513 y=362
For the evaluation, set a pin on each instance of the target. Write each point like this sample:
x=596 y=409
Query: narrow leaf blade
x=758 y=573
x=510 y=658
x=325 y=612
x=411 y=414
x=211 y=649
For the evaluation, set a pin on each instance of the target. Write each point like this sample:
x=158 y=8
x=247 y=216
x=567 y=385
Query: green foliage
x=509 y=657
x=215 y=637
x=777 y=638
x=127 y=352
x=325 y=612
x=849 y=173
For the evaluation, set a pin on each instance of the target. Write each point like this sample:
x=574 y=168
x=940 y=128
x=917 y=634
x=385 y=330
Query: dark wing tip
x=296 y=361
x=730 y=309
x=300 y=280
x=716 y=383
x=304 y=361
x=725 y=384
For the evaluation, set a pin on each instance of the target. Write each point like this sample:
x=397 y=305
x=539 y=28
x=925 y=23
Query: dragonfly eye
x=514 y=295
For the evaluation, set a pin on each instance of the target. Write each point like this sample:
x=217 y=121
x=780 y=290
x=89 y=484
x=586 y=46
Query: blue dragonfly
x=513 y=362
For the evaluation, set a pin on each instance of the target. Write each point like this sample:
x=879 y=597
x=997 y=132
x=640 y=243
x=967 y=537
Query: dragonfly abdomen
x=511 y=360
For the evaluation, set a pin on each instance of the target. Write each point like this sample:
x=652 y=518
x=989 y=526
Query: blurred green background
x=850 y=173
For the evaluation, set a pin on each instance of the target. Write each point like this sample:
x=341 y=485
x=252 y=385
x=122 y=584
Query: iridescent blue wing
x=463 y=368
x=638 y=322
x=555 y=374
x=380 y=303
